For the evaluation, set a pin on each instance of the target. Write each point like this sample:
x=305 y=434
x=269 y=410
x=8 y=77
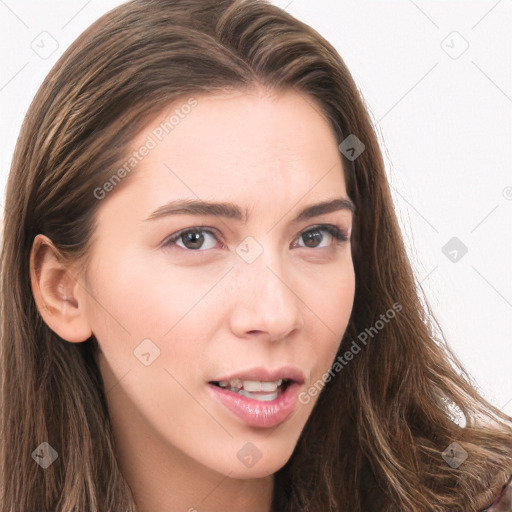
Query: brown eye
x=313 y=237
x=192 y=239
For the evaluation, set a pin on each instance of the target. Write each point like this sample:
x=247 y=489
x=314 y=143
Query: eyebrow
x=232 y=211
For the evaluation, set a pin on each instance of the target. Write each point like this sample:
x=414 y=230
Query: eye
x=192 y=239
x=313 y=236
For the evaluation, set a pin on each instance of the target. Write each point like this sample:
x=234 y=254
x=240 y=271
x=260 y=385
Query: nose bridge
x=264 y=299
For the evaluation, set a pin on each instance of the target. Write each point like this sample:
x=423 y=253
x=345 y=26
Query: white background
x=445 y=124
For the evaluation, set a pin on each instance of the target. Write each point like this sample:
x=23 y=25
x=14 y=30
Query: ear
x=57 y=293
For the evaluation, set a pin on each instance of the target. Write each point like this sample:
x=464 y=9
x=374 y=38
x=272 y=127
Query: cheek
x=331 y=305
x=150 y=306
x=144 y=295
x=149 y=325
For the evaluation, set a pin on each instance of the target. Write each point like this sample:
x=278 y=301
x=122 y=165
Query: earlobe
x=56 y=292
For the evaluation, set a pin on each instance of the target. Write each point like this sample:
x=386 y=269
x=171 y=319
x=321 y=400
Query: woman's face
x=256 y=292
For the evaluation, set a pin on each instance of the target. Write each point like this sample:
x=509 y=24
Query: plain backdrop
x=437 y=80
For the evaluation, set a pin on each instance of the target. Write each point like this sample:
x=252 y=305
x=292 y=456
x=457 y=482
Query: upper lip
x=289 y=372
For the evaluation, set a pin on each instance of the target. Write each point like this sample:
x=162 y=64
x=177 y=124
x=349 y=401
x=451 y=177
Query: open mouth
x=260 y=397
x=264 y=391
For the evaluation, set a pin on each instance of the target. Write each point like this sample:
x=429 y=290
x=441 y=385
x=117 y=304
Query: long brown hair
x=375 y=439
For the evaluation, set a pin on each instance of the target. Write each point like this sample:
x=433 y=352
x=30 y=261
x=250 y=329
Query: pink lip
x=263 y=374
x=256 y=413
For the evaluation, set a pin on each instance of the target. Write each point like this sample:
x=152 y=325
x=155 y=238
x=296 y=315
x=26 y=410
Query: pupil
x=310 y=237
x=194 y=237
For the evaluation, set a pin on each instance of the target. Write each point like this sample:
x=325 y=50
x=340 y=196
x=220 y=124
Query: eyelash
x=339 y=235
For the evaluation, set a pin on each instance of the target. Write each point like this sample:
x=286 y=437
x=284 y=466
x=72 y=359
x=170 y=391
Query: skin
x=208 y=310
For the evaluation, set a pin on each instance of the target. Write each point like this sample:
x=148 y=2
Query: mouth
x=259 y=397
x=263 y=391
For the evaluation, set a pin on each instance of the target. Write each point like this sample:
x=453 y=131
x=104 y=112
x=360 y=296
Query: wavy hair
x=376 y=436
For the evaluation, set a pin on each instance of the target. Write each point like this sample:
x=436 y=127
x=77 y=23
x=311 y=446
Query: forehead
x=253 y=137
x=271 y=156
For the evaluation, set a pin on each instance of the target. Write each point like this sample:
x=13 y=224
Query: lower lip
x=257 y=413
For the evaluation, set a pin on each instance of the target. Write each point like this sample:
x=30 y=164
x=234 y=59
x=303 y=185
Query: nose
x=266 y=301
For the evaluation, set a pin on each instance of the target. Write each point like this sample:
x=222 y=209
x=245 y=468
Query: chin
x=259 y=470
x=256 y=459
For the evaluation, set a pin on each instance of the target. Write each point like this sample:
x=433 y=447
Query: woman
x=206 y=300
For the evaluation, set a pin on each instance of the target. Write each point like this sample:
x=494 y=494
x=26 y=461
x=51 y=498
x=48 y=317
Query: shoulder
x=503 y=502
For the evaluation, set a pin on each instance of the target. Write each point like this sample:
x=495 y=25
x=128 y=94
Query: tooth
x=261 y=398
x=269 y=386
x=252 y=385
x=235 y=383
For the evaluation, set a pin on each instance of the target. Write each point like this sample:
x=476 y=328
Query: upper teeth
x=251 y=385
